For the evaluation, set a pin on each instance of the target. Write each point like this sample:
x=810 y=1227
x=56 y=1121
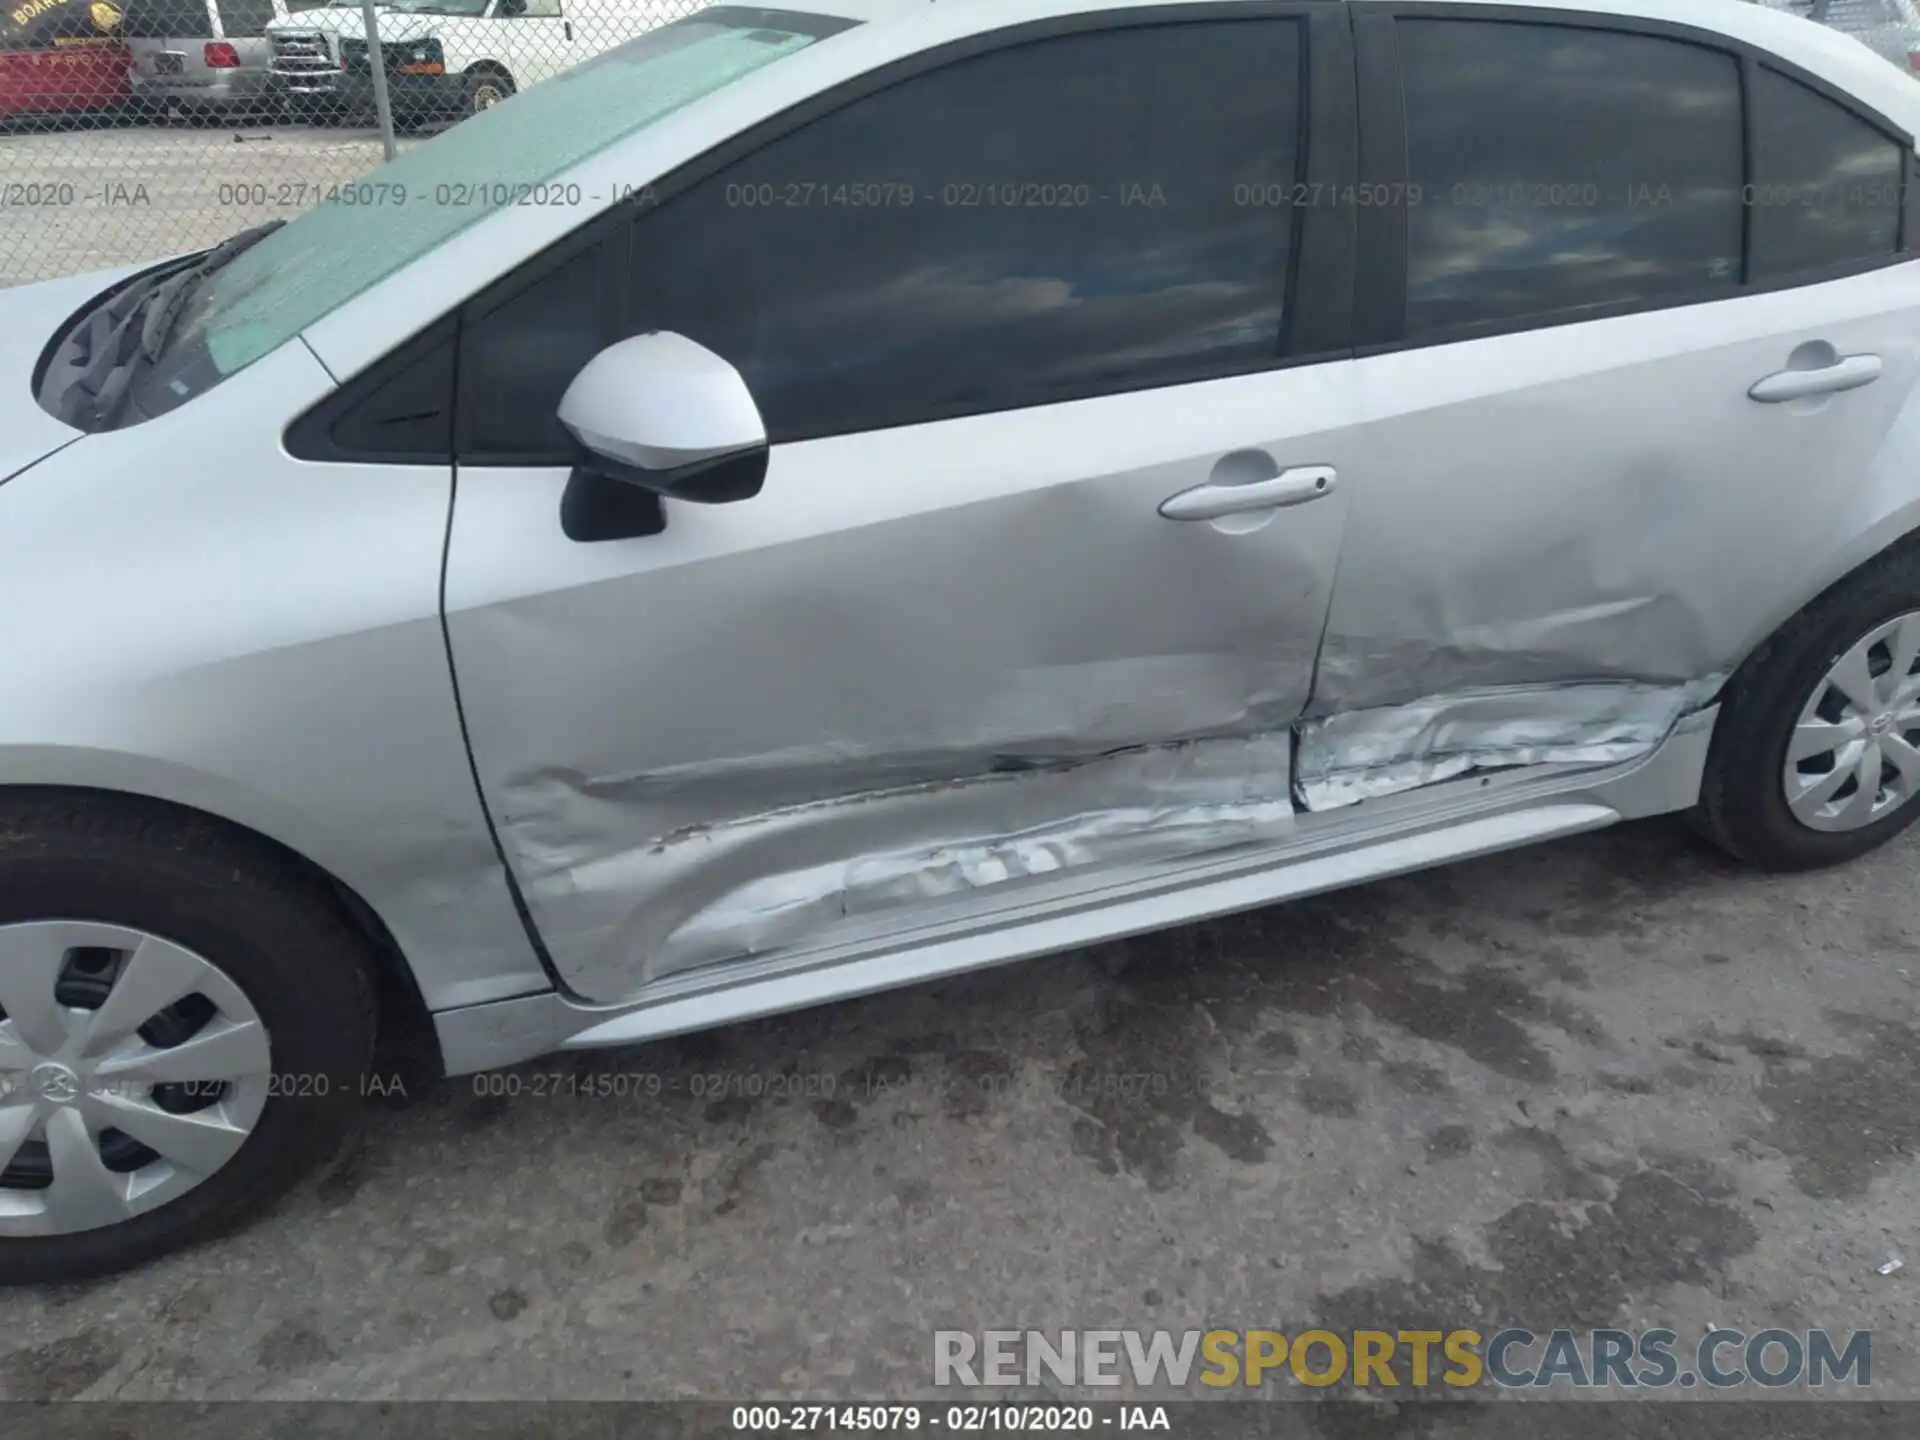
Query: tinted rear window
x=1563 y=169
x=168 y=20
x=1826 y=184
x=244 y=17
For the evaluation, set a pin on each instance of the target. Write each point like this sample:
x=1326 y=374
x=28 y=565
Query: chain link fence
x=131 y=130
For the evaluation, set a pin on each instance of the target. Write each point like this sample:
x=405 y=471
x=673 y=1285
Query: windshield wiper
x=102 y=353
x=161 y=308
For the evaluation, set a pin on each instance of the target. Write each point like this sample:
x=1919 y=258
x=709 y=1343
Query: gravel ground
x=1609 y=1080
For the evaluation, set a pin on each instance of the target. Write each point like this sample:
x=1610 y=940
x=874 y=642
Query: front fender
x=193 y=615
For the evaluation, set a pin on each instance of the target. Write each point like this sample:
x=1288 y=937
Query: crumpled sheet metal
x=1364 y=754
x=816 y=865
x=1644 y=639
x=813 y=872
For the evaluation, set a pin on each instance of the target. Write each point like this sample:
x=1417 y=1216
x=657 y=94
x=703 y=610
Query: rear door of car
x=1631 y=334
x=999 y=306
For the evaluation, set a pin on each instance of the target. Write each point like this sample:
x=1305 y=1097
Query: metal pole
x=382 y=106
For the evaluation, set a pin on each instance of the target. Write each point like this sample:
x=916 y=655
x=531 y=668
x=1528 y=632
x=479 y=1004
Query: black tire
x=276 y=933
x=485 y=81
x=1743 y=807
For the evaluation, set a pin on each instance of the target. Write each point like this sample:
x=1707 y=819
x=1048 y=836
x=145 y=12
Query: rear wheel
x=183 y=1024
x=1816 y=755
x=486 y=88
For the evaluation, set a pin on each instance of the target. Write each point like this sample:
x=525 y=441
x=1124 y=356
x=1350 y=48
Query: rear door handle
x=1212 y=500
x=1849 y=372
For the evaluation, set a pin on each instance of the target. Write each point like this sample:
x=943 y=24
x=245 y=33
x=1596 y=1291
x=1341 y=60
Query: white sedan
x=812 y=501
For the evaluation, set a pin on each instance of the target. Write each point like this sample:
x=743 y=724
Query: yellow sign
x=33 y=9
x=105 y=15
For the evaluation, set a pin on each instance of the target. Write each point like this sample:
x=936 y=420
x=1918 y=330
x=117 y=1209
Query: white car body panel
x=287 y=579
x=28 y=433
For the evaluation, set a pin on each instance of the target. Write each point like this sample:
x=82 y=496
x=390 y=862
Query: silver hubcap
x=130 y=1071
x=486 y=97
x=1854 y=756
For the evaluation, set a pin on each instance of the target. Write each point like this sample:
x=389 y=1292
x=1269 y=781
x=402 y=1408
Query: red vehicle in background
x=61 y=57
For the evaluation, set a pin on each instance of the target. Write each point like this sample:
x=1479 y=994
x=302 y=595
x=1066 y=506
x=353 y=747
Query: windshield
x=324 y=258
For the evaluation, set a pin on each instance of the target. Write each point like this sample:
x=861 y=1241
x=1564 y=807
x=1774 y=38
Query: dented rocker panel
x=1449 y=821
x=748 y=887
x=1363 y=754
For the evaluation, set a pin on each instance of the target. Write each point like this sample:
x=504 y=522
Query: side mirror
x=657 y=415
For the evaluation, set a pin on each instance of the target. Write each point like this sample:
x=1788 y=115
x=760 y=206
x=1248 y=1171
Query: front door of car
x=959 y=653
x=1636 y=340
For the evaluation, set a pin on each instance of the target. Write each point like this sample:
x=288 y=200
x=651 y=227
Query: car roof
x=1826 y=53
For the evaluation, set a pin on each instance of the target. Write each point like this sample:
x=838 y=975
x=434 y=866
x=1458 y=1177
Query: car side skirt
x=1454 y=820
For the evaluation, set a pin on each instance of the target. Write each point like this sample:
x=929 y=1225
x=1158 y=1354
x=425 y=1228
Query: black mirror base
x=595 y=506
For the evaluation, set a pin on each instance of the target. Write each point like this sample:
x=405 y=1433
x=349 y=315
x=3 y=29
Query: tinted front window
x=1826 y=184
x=1561 y=169
x=168 y=20
x=1092 y=213
x=520 y=358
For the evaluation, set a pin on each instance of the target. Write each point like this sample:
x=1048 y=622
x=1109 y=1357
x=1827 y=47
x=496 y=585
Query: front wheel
x=184 y=1021
x=1816 y=755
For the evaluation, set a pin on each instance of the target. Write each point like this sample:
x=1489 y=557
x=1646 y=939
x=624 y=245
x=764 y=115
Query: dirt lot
x=1615 y=1079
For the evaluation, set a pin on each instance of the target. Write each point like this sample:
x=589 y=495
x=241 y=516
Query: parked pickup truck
x=444 y=58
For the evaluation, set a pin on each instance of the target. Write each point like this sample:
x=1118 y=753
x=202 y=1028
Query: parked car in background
x=203 y=57
x=1888 y=27
x=62 y=59
x=445 y=58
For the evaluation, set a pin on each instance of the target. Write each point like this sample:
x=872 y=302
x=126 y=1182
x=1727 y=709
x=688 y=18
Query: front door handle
x=1848 y=372
x=1212 y=500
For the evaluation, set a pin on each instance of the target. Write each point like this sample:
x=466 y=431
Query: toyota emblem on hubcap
x=56 y=1083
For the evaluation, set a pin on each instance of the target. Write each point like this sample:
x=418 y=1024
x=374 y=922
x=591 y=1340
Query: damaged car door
x=1050 y=358
x=1644 y=315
